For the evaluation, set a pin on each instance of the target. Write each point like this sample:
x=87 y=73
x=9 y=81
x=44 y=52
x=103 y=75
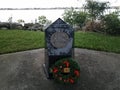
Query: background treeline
x=26 y=26
x=39 y=24
x=96 y=16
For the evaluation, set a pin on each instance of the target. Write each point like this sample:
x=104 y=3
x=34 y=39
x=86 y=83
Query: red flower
x=66 y=63
x=55 y=70
x=71 y=80
x=77 y=73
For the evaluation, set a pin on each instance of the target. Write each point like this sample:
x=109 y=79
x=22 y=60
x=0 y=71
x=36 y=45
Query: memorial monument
x=59 y=40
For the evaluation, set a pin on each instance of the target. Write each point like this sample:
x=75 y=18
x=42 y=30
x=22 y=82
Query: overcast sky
x=30 y=16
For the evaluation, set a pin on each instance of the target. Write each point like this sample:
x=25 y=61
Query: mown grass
x=96 y=41
x=20 y=40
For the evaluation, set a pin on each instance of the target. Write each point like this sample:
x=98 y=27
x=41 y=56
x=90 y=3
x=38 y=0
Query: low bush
x=112 y=24
x=95 y=26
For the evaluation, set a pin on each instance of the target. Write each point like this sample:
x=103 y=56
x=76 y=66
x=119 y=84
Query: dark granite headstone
x=59 y=38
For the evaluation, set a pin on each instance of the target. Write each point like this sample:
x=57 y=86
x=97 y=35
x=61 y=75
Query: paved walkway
x=23 y=71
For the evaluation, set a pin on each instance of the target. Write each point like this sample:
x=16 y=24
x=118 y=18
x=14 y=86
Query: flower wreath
x=66 y=71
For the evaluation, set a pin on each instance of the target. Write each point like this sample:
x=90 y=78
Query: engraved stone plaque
x=59 y=39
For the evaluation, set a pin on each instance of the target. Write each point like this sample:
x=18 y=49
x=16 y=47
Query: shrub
x=4 y=25
x=7 y=25
x=95 y=26
x=16 y=26
x=31 y=26
x=112 y=24
x=28 y=25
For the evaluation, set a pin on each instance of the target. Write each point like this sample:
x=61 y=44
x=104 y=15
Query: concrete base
x=24 y=71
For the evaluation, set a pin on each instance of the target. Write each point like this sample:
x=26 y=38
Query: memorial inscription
x=59 y=39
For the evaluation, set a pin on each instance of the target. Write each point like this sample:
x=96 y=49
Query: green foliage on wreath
x=66 y=71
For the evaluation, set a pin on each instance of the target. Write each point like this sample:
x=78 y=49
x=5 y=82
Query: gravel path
x=24 y=71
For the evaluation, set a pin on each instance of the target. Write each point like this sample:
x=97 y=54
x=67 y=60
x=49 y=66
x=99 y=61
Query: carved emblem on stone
x=59 y=39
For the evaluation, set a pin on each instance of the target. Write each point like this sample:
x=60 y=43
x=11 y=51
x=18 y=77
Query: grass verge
x=96 y=41
x=20 y=40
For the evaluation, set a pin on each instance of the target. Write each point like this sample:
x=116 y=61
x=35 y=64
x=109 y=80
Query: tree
x=10 y=22
x=10 y=19
x=75 y=18
x=42 y=20
x=80 y=18
x=95 y=8
x=20 y=21
x=112 y=23
x=48 y=22
x=68 y=16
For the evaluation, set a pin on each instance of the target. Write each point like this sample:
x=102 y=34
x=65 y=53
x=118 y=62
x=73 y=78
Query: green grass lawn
x=19 y=40
x=96 y=41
